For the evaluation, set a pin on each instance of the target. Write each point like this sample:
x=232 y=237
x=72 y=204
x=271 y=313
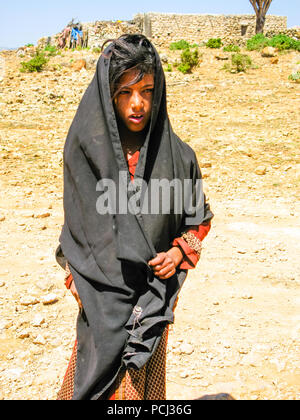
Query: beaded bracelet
x=193 y=242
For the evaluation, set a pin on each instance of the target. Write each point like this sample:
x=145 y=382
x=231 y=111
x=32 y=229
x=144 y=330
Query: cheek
x=148 y=105
x=120 y=106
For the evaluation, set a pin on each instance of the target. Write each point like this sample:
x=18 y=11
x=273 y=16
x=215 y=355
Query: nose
x=136 y=101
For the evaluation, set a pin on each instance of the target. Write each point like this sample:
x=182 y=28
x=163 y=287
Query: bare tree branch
x=253 y=2
x=266 y=6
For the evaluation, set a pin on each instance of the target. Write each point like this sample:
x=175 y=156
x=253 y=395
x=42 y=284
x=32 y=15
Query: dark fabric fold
x=125 y=307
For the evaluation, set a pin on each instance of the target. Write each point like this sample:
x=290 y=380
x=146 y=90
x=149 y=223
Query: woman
x=125 y=268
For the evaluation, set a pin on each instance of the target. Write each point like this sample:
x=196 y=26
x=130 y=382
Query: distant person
x=125 y=257
x=76 y=36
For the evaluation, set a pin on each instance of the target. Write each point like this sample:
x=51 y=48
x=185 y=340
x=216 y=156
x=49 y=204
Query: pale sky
x=24 y=22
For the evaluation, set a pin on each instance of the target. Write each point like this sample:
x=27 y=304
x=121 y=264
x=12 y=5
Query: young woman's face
x=133 y=104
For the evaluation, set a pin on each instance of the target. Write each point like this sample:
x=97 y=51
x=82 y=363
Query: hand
x=74 y=292
x=165 y=263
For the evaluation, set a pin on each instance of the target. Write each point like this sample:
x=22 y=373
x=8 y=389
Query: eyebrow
x=129 y=86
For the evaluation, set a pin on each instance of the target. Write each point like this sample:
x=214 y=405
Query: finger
x=158 y=259
x=168 y=275
x=165 y=263
x=164 y=271
x=159 y=267
x=168 y=262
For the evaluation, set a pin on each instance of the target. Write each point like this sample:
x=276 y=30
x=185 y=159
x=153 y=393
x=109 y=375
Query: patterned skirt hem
x=148 y=383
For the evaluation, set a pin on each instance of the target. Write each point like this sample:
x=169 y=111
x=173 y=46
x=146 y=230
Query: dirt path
x=237 y=324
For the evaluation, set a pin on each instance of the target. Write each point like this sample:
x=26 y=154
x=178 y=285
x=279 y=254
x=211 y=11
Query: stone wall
x=101 y=31
x=291 y=32
x=164 y=28
x=198 y=28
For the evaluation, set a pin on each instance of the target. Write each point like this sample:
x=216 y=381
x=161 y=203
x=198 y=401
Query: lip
x=136 y=118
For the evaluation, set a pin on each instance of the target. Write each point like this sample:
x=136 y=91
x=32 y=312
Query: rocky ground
x=237 y=324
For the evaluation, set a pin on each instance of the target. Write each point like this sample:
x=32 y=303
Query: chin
x=136 y=129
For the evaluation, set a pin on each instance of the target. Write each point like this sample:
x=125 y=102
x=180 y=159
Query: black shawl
x=125 y=307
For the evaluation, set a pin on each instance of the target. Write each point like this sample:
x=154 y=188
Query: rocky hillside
x=237 y=321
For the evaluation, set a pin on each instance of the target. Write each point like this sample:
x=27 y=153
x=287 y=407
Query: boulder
x=222 y=57
x=91 y=62
x=49 y=299
x=164 y=58
x=261 y=170
x=20 y=53
x=79 y=65
x=269 y=52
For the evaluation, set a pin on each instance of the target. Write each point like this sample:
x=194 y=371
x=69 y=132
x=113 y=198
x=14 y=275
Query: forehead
x=128 y=79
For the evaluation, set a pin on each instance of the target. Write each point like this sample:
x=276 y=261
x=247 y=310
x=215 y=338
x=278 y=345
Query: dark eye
x=124 y=92
x=150 y=90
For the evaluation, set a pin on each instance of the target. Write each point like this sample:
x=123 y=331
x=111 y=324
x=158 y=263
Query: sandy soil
x=237 y=324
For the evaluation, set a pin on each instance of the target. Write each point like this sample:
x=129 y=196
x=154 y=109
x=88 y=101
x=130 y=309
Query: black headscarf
x=125 y=307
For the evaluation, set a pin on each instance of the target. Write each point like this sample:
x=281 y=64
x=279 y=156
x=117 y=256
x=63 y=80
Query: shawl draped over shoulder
x=125 y=307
